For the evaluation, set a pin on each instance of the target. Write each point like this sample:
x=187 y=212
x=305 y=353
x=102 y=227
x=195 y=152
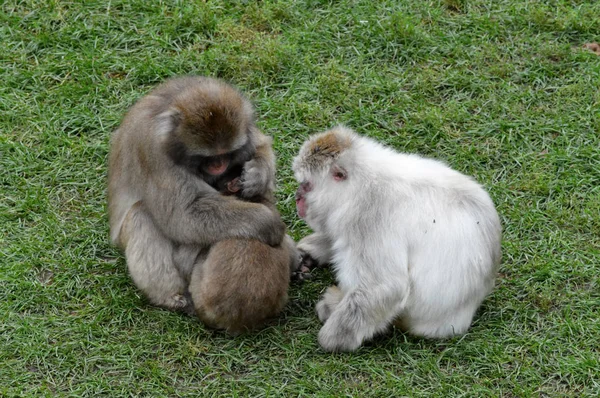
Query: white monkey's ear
x=338 y=173
x=167 y=121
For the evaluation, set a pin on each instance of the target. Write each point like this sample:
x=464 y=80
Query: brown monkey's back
x=241 y=284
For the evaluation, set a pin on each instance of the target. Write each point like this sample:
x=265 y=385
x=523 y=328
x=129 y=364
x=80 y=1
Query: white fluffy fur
x=411 y=241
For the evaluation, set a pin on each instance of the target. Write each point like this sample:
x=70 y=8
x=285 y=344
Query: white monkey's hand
x=256 y=179
x=315 y=250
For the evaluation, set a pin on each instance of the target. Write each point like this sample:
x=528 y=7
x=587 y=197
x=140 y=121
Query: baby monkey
x=412 y=242
x=242 y=282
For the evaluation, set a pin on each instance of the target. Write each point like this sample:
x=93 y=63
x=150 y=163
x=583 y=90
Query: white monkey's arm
x=359 y=315
x=318 y=247
x=258 y=177
x=374 y=290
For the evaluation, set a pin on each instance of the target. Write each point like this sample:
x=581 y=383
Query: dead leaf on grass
x=594 y=47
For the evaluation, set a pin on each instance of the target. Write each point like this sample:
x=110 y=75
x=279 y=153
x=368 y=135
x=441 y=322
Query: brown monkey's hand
x=272 y=230
x=256 y=179
x=234 y=185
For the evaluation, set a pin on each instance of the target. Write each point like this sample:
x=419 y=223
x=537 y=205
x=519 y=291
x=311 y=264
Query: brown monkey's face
x=211 y=164
x=216 y=165
x=223 y=167
x=207 y=128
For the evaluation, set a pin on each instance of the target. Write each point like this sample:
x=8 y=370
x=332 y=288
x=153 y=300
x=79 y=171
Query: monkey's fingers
x=234 y=185
x=301 y=275
x=307 y=261
x=255 y=179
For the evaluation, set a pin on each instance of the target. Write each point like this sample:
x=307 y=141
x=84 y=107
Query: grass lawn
x=499 y=89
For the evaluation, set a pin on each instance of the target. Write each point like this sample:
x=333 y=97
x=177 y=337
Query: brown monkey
x=172 y=148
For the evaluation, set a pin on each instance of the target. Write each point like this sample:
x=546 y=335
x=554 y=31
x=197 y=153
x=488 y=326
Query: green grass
x=499 y=89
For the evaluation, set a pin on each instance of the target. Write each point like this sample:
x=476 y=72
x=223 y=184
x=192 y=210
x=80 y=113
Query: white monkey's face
x=319 y=168
x=314 y=192
x=304 y=188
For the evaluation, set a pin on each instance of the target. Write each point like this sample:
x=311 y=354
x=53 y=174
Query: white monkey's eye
x=339 y=174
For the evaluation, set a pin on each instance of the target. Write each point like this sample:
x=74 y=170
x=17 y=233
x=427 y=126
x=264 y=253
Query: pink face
x=218 y=165
x=303 y=189
x=338 y=174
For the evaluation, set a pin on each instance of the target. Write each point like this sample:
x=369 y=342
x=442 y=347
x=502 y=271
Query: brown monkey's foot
x=180 y=302
x=255 y=179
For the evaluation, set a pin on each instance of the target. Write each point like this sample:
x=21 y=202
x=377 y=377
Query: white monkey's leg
x=150 y=261
x=360 y=315
x=317 y=246
x=455 y=322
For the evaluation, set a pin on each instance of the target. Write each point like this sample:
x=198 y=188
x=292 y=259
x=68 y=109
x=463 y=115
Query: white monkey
x=412 y=242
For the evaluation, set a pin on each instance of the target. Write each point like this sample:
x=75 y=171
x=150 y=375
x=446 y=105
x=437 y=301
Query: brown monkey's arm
x=258 y=178
x=189 y=211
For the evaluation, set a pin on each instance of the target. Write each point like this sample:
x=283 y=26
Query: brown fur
x=324 y=148
x=211 y=117
x=230 y=290
x=126 y=231
x=241 y=284
x=329 y=144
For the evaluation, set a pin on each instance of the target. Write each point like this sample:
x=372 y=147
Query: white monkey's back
x=443 y=222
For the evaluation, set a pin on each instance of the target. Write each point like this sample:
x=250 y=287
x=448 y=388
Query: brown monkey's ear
x=338 y=173
x=168 y=121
